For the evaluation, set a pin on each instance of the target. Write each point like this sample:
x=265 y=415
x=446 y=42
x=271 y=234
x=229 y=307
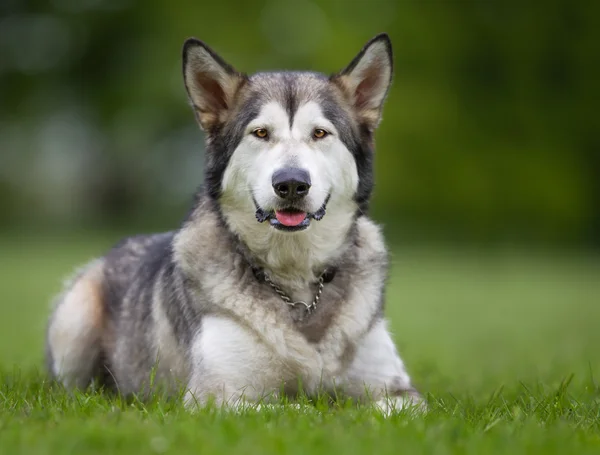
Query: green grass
x=504 y=344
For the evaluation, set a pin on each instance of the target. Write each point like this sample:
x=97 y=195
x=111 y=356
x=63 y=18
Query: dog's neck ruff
x=309 y=308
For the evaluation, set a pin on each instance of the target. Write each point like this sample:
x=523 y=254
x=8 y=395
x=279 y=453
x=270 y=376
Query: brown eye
x=319 y=133
x=261 y=133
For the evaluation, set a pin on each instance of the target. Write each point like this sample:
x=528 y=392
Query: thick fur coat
x=289 y=175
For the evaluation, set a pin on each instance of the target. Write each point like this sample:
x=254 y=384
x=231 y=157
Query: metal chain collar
x=309 y=308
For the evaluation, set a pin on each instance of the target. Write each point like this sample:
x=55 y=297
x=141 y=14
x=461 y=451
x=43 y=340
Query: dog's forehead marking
x=274 y=116
x=311 y=115
x=281 y=96
x=290 y=89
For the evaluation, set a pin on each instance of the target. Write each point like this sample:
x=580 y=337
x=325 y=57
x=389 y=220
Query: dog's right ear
x=211 y=83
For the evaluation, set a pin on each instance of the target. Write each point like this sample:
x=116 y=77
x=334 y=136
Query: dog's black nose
x=291 y=183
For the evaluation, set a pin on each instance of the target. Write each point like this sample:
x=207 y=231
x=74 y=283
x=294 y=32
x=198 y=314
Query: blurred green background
x=490 y=132
x=488 y=162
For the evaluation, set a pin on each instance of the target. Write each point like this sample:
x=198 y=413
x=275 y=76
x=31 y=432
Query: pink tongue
x=290 y=218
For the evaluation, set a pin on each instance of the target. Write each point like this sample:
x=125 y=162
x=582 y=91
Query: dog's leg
x=378 y=374
x=231 y=367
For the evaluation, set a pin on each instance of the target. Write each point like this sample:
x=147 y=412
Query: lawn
x=505 y=344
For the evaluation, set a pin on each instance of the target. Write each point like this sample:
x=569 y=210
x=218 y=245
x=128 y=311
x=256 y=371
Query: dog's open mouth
x=290 y=219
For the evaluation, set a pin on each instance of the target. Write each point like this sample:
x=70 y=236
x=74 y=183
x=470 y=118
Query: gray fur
x=146 y=302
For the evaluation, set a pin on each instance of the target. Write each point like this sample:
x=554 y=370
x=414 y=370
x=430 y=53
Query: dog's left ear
x=367 y=79
x=211 y=83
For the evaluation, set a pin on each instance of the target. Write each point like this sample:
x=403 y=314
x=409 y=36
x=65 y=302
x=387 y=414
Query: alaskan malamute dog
x=274 y=283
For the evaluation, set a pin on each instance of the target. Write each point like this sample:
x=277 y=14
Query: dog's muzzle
x=290 y=219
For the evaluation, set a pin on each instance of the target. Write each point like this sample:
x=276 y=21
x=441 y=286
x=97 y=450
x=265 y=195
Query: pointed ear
x=210 y=82
x=367 y=78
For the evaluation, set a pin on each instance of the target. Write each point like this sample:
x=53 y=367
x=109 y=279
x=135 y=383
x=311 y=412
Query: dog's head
x=289 y=153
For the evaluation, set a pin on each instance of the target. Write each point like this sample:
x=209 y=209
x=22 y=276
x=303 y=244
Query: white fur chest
x=263 y=352
x=248 y=341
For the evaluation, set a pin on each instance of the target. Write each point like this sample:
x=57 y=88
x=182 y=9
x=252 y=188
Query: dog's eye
x=261 y=133
x=319 y=133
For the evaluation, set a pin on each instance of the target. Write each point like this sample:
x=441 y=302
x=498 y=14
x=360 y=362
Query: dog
x=274 y=283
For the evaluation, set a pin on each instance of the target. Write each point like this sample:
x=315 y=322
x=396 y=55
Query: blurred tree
x=490 y=131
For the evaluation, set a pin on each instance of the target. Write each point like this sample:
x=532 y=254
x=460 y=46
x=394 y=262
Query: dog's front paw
x=409 y=400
